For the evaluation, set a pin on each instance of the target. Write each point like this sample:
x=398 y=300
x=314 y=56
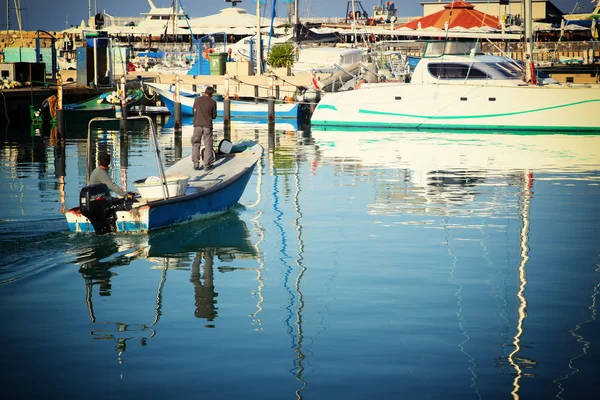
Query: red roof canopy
x=458 y=13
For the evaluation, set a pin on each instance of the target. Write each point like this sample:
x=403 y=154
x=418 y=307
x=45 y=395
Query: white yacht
x=323 y=60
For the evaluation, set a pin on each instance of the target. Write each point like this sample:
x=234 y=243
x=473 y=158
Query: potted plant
x=281 y=58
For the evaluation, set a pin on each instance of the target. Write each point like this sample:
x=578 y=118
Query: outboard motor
x=96 y=205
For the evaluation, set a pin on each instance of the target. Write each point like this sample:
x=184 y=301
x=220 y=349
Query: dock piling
x=123 y=120
x=177 y=109
x=60 y=115
x=226 y=108
x=271 y=101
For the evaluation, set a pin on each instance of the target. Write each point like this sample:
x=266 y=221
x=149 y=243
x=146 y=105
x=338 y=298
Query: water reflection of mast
x=580 y=339
x=256 y=221
x=121 y=327
x=296 y=333
x=302 y=269
x=462 y=322
x=522 y=306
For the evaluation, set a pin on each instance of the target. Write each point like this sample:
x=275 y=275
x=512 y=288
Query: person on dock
x=100 y=175
x=205 y=110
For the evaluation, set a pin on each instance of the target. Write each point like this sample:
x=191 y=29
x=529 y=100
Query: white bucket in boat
x=152 y=187
x=225 y=146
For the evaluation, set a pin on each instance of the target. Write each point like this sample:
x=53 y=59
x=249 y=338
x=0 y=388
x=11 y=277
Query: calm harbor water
x=381 y=265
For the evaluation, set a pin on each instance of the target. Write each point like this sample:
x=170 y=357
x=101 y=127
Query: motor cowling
x=96 y=205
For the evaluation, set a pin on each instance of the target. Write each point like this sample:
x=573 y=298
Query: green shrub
x=281 y=55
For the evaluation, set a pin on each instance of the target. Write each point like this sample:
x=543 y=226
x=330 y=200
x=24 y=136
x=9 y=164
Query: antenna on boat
x=233 y=2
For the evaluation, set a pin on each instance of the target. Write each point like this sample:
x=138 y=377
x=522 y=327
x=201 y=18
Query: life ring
x=207 y=53
x=359 y=84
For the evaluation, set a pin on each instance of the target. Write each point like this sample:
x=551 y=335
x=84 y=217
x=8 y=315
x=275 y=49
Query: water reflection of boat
x=189 y=247
x=423 y=151
x=226 y=236
x=444 y=168
x=494 y=178
x=195 y=247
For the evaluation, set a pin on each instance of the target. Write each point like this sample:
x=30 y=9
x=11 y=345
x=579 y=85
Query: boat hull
x=238 y=109
x=209 y=194
x=447 y=107
x=163 y=213
x=78 y=115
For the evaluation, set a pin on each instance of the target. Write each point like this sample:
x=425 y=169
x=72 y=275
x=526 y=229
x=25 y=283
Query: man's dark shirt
x=205 y=110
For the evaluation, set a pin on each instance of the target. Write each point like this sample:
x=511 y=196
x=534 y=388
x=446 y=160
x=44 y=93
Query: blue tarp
x=151 y=54
x=586 y=23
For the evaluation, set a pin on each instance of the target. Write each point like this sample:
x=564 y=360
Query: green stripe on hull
x=523 y=130
x=449 y=117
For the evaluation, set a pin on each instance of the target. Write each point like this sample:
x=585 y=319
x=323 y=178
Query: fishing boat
x=238 y=109
x=175 y=196
x=104 y=105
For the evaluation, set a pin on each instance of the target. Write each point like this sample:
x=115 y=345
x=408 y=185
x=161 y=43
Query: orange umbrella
x=456 y=14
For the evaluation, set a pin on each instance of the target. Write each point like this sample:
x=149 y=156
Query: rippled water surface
x=382 y=265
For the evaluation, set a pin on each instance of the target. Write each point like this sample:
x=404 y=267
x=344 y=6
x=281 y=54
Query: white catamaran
x=457 y=88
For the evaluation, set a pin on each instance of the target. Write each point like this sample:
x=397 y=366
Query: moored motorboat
x=239 y=109
x=104 y=105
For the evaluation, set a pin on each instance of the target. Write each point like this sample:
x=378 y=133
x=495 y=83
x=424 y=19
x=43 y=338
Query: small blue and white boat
x=238 y=109
x=179 y=195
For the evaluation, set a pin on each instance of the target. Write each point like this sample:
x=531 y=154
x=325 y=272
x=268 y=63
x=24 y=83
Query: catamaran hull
x=501 y=109
x=173 y=211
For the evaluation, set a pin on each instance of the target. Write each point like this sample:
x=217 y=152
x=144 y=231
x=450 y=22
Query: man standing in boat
x=205 y=110
x=100 y=175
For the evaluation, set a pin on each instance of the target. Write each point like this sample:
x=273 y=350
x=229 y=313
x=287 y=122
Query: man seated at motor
x=100 y=175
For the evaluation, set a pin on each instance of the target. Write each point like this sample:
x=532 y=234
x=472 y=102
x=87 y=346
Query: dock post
x=271 y=110
x=60 y=116
x=178 y=146
x=226 y=108
x=123 y=121
x=177 y=109
x=124 y=158
x=271 y=101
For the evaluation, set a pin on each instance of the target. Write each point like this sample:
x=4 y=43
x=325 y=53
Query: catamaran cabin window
x=455 y=71
x=508 y=69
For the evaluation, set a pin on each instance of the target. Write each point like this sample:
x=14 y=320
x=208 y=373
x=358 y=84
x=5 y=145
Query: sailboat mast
x=296 y=19
x=258 y=41
x=528 y=21
x=176 y=17
x=354 y=21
